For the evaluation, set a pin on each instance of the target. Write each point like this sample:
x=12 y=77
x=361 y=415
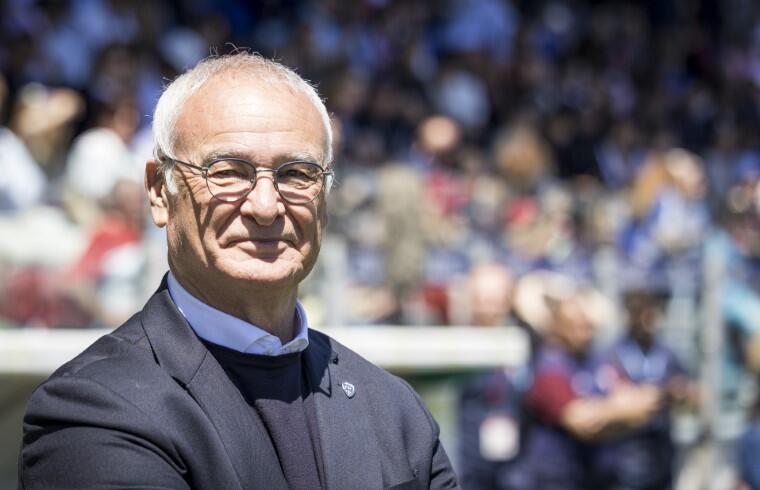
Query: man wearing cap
x=218 y=382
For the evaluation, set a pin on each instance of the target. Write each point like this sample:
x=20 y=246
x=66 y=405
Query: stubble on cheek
x=176 y=243
x=185 y=243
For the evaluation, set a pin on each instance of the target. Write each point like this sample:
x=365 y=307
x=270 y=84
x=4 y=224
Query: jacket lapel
x=349 y=445
x=240 y=429
x=187 y=360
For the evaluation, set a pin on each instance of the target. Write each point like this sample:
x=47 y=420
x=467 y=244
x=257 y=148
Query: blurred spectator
x=106 y=281
x=620 y=155
x=463 y=96
x=22 y=183
x=749 y=448
x=44 y=118
x=644 y=458
x=522 y=156
x=732 y=252
x=670 y=215
x=492 y=423
x=101 y=287
x=100 y=157
x=484 y=298
x=568 y=414
x=721 y=161
x=400 y=207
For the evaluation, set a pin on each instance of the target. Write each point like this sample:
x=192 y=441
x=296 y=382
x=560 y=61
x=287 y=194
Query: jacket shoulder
x=121 y=364
x=128 y=343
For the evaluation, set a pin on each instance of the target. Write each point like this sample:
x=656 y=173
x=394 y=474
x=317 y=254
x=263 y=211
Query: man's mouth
x=260 y=243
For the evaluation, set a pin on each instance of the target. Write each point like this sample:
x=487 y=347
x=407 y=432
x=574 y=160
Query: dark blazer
x=148 y=406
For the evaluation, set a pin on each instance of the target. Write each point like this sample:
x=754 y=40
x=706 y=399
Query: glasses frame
x=205 y=168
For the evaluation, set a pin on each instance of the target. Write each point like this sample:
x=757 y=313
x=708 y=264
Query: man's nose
x=263 y=203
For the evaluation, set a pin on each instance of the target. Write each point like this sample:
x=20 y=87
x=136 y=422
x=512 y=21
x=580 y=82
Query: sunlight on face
x=260 y=241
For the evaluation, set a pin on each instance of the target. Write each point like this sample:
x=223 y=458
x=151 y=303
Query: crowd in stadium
x=530 y=136
x=615 y=143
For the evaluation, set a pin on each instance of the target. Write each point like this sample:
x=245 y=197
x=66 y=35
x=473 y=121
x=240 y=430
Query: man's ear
x=155 y=185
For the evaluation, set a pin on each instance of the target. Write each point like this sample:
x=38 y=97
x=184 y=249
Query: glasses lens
x=299 y=182
x=229 y=180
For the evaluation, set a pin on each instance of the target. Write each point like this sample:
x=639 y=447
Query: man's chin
x=265 y=272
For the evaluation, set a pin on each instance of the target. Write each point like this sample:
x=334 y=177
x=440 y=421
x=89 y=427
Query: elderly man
x=218 y=382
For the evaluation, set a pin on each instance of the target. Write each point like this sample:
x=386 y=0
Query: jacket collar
x=234 y=333
x=346 y=434
x=175 y=345
x=186 y=359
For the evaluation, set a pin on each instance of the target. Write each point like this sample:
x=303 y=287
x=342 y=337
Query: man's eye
x=299 y=171
x=229 y=170
x=229 y=173
x=293 y=173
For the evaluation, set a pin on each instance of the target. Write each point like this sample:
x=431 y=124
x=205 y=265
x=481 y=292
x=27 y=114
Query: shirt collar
x=228 y=331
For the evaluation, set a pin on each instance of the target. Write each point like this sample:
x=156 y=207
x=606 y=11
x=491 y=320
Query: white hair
x=183 y=87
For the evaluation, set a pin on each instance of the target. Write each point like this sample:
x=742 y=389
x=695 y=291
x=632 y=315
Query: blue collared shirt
x=226 y=330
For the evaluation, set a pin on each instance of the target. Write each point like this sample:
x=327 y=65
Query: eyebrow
x=280 y=159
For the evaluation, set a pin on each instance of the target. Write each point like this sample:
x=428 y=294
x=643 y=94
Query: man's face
x=573 y=327
x=644 y=313
x=261 y=241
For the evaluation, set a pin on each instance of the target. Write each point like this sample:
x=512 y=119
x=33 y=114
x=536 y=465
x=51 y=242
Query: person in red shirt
x=568 y=417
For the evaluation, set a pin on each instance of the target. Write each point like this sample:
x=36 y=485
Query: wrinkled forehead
x=239 y=105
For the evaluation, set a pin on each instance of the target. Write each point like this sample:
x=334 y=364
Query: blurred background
x=487 y=151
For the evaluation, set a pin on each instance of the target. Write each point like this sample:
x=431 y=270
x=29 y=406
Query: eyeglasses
x=231 y=179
